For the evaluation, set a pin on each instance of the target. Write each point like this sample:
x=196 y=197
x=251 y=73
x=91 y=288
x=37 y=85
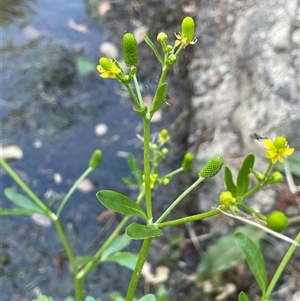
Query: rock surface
x=246 y=80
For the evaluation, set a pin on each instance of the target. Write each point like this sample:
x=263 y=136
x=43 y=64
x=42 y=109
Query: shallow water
x=52 y=118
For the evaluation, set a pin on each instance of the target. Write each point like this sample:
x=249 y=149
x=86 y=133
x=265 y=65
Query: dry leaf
x=161 y=275
x=78 y=27
x=11 y=152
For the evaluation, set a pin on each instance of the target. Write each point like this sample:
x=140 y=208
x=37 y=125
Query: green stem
x=280 y=269
x=138 y=91
x=72 y=189
x=173 y=173
x=138 y=269
x=175 y=203
x=78 y=289
x=193 y=218
x=24 y=187
x=133 y=96
x=91 y=265
x=64 y=241
x=147 y=169
x=252 y=211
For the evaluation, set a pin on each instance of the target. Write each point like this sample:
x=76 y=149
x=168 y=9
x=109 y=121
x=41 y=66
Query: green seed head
x=277 y=221
x=95 y=159
x=211 y=168
x=187 y=161
x=130 y=49
x=105 y=63
x=280 y=142
x=188 y=29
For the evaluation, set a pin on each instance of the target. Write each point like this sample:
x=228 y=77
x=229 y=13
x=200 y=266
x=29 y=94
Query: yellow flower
x=186 y=36
x=278 y=149
x=107 y=68
x=152 y=180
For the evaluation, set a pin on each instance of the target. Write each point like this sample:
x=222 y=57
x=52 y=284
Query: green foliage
x=138 y=231
x=159 y=98
x=243 y=178
x=228 y=179
x=24 y=205
x=225 y=254
x=135 y=170
x=243 y=297
x=120 y=203
x=254 y=258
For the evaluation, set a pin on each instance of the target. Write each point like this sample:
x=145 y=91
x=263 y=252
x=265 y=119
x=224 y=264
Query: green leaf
x=134 y=168
x=84 y=259
x=243 y=178
x=84 y=66
x=254 y=259
x=69 y=298
x=243 y=297
x=125 y=259
x=149 y=297
x=159 y=98
x=118 y=244
x=138 y=231
x=154 y=49
x=228 y=179
x=120 y=203
x=129 y=181
x=225 y=254
x=22 y=201
x=16 y=211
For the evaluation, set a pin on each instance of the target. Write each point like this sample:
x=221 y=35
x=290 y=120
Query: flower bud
x=165 y=151
x=162 y=37
x=166 y=181
x=187 y=161
x=226 y=198
x=275 y=177
x=211 y=168
x=95 y=159
x=277 y=221
x=130 y=49
x=172 y=58
x=188 y=29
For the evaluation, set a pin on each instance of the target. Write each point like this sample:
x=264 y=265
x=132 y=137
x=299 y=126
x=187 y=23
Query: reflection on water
x=13 y=10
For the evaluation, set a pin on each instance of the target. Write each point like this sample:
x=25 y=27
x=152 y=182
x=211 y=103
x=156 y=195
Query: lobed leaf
x=243 y=177
x=120 y=203
x=254 y=259
x=138 y=231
